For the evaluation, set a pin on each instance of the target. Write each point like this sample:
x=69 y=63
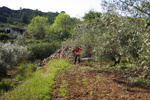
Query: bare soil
x=92 y=82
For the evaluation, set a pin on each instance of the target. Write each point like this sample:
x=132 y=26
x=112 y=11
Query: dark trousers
x=75 y=59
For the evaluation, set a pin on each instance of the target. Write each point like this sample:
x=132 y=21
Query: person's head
x=77 y=47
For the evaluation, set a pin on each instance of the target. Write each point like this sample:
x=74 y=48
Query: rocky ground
x=92 y=81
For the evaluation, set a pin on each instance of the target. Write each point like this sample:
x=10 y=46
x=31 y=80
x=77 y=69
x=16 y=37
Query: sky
x=75 y=8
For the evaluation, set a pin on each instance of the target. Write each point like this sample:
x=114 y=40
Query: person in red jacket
x=77 y=54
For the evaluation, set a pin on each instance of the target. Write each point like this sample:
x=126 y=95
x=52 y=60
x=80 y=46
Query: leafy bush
x=42 y=50
x=5 y=86
x=3 y=36
x=11 y=54
x=3 y=69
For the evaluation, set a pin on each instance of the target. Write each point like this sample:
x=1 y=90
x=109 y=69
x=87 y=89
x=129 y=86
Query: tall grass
x=38 y=86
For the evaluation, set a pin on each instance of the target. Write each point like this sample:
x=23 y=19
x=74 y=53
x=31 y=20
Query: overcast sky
x=75 y=8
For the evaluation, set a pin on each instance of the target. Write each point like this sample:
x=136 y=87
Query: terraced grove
x=91 y=81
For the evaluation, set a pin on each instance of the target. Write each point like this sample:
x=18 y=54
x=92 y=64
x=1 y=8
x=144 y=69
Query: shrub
x=3 y=69
x=11 y=54
x=3 y=36
x=4 y=87
x=42 y=50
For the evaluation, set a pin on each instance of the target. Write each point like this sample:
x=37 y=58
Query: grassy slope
x=38 y=87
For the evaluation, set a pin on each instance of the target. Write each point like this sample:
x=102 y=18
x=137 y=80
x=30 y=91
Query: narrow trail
x=90 y=82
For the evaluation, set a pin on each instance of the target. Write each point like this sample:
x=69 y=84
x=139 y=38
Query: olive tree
x=138 y=11
x=11 y=54
x=138 y=8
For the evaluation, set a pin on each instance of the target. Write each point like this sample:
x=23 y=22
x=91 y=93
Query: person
x=77 y=55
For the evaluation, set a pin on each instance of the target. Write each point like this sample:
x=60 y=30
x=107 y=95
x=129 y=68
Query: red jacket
x=77 y=51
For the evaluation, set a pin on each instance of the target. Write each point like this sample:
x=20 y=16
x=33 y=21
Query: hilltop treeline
x=23 y=16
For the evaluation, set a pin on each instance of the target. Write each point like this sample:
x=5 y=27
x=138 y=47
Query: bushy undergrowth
x=38 y=87
x=42 y=50
x=3 y=36
x=3 y=69
x=23 y=72
x=4 y=87
x=11 y=54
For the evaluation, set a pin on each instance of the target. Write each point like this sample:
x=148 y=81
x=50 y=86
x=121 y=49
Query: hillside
x=22 y=17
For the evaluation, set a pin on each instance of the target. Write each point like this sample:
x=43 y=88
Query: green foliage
x=110 y=65
x=5 y=86
x=63 y=88
x=138 y=50
x=22 y=17
x=11 y=54
x=32 y=41
x=143 y=82
x=38 y=28
x=136 y=8
x=110 y=39
x=3 y=19
x=42 y=50
x=20 y=74
x=136 y=80
x=116 y=39
x=24 y=71
x=63 y=25
x=3 y=36
x=3 y=69
x=91 y=15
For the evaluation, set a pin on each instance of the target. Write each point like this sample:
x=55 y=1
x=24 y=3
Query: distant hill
x=22 y=17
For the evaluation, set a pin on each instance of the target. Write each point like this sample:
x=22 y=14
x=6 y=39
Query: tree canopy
x=63 y=25
x=38 y=27
x=23 y=16
x=91 y=15
x=139 y=8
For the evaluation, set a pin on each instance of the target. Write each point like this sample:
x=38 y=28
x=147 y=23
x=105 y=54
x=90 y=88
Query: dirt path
x=90 y=82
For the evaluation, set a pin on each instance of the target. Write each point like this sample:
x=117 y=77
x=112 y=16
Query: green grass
x=83 y=68
x=83 y=81
x=25 y=71
x=63 y=88
x=38 y=86
x=143 y=82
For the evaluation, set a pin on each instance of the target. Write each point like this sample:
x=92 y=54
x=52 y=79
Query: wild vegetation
x=22 y=17
x=37 y=85
x=117 y=42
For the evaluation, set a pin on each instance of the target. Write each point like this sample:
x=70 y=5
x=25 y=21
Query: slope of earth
x=92 y=81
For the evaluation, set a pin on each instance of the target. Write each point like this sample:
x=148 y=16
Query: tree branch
x=137 y=8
